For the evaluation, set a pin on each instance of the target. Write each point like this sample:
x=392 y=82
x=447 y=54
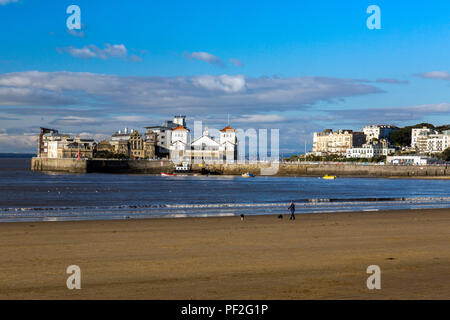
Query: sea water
x=37 y=196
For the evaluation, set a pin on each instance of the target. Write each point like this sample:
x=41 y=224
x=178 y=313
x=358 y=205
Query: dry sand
x=317 y=256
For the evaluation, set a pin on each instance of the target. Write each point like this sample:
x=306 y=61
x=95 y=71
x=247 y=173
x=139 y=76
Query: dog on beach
x=280 y=216
x=242 y=217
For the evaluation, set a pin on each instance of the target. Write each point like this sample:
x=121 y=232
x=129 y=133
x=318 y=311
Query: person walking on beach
x=292 y=210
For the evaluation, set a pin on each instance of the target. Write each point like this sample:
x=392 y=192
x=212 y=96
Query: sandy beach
x=317 y=256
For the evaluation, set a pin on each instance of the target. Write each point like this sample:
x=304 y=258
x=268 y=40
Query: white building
x=164 y=134
x=409 y=160
x=50 y=142
x=180 y=120
x=53 y=146
x=204 y=148
x=427 y=140
x=379 y=131
x=228 y=143
x=180 y=140
x=446 y=142
x=416 y=132
x=369 y=151
x=122 y=135
x=63 y=146
x=338 y=142
x=438 y=142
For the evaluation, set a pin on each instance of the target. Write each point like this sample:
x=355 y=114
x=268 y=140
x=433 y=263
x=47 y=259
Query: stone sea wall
x=99 y=165
x=282 y=169
x=58 y=165
x=348 y=170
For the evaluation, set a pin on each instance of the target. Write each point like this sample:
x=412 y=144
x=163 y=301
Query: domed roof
x=180 y=128
x=227 y=128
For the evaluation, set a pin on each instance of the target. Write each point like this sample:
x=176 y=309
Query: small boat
x=167 y=174
x=248 y=175
x=327 y=177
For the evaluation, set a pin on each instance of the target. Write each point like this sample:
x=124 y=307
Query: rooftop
x=180 y=128
x=227 y=128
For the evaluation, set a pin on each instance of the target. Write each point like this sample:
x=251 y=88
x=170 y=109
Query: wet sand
x=317 y=256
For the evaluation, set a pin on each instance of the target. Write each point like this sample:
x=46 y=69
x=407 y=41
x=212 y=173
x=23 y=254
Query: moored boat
x=248 y=175
x=167 y=174
x=327 y=177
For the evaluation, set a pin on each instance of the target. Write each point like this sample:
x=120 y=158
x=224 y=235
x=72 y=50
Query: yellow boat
x=327 y=177
x=248 y=175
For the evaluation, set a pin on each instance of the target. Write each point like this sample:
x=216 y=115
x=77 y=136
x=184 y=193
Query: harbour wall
x=101 y=165
x=282 y=169
x=348 y=170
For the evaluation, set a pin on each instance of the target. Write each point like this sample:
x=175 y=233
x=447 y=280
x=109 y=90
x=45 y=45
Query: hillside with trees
x=402 y=136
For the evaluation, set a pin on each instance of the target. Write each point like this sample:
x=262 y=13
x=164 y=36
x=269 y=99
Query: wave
x=299 y=203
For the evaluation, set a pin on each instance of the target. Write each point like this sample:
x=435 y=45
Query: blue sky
x=300 y=66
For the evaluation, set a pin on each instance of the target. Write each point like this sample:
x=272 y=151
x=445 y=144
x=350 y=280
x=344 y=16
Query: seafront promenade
x=258 y=168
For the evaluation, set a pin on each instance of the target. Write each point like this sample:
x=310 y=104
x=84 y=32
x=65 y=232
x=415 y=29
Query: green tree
x=402 y=136
x=443 y=127
x=445 y=155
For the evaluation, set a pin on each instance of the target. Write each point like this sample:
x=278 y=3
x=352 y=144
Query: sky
x=297 y=66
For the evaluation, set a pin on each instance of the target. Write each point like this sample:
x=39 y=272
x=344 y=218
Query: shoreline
x=317 y=256
x=60 y=219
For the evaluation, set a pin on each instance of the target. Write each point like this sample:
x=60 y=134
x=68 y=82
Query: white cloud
x=75 y=121
x=85 y=52
x=432 y=108
x=438 y=75
x=224 y=83
x=204 y=56
x=17 y=95
x=129 y=118
x=389 y=115
x=261 y=118
x=92 y=51
x=18 y=142
x=115 y=50
x=90 y=135
x=199 y=94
